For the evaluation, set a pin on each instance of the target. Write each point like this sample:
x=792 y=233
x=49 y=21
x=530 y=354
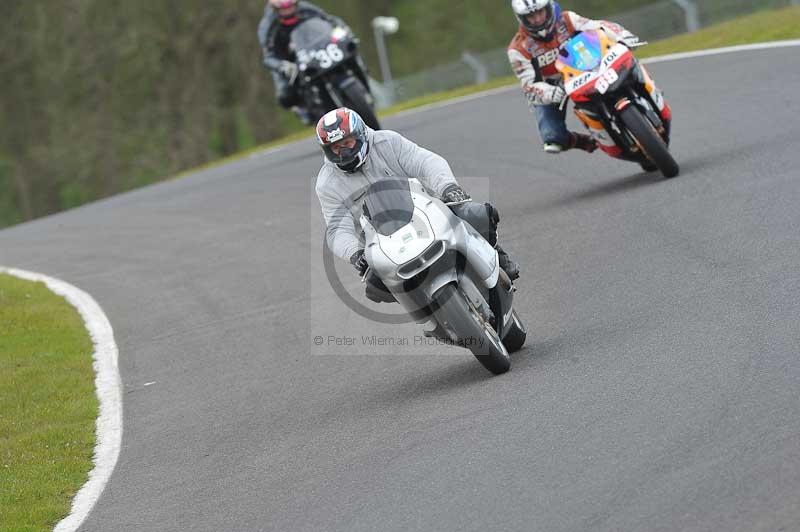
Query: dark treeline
x=101 y=96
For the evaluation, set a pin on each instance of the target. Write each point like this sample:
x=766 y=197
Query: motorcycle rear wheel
x=651 y=143
x=455 y=314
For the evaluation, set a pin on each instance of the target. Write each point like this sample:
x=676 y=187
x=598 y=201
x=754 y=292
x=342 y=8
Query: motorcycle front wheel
x=516 y=335
x=360 y=100
x=455 y=314
x=650 y=142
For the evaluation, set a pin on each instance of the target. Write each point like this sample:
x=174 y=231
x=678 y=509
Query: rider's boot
x=583 y=142
x=552 y=147
x=576 y=140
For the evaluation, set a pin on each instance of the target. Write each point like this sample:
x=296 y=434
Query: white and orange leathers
x=534 y=60
x=534 y=63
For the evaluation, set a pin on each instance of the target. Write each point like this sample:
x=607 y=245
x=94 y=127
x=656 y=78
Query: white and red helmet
x=342 y=135
x=286 y=10
x=547 y=10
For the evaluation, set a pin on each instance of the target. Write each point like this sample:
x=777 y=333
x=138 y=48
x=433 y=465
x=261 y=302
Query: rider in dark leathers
x=280 y=18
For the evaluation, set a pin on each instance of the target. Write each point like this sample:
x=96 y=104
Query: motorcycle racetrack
x=659 y=388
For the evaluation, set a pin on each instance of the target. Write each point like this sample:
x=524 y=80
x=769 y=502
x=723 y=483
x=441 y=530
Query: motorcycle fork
x=313 y=101
x=361 y=71
x=333 y=93
x=645 y=101
x=630 y=150
x=616 y=132
x=501 y=299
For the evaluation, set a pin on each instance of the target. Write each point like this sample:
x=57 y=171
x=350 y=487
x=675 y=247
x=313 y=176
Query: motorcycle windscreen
x=582 y=52
x=388 y=205
x=311 y=35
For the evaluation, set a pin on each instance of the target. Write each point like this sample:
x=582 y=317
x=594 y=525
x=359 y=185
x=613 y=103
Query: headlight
x=411 y=268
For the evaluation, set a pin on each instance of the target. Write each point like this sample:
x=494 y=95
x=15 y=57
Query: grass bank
x=47 y=405
x=776 y=25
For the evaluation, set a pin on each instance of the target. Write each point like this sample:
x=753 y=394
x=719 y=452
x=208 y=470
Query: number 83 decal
x=606 y=80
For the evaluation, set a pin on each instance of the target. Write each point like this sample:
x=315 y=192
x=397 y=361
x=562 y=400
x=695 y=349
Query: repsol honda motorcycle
x=331 y=74
x=617 y=100
x=440 y=269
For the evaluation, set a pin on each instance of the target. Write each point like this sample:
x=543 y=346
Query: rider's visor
x=347 y=144
x=538 y=17
x=345 y=150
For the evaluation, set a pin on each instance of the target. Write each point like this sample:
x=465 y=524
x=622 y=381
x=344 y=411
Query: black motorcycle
x=331 y=74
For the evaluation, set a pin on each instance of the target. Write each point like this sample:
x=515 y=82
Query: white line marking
x=108 y=385
x=720 y=51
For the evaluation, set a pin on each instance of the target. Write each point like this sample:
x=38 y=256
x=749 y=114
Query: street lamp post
x=690 y=12
x=385 y=26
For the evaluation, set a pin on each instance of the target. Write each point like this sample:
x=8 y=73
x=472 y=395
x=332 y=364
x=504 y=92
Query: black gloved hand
x=359 y=262
x=454 y=193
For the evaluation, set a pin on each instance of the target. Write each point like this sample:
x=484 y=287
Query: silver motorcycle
x=441 y=270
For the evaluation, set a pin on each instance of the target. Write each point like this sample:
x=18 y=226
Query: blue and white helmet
x=343 y=137
x=525 y=11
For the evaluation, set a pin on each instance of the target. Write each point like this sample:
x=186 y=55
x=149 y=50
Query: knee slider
x=493 y=213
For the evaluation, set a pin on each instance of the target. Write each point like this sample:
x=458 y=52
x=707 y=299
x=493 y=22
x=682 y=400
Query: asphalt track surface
x=659 y=388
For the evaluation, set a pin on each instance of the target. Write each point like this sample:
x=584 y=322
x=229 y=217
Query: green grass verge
x=764 y=26
x=47 y=405
x=775 y=25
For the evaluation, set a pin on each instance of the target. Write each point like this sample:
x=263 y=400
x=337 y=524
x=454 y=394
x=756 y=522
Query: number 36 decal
x=327 y=57
x=606 y=80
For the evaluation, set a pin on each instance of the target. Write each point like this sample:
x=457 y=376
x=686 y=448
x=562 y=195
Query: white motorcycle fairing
x=441 y=270
x=433 y=234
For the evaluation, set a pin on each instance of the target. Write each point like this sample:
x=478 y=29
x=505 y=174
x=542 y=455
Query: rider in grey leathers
x=356 y=157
